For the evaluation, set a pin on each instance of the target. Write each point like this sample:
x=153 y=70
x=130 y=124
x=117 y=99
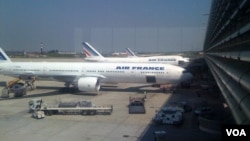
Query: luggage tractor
x=19 y=87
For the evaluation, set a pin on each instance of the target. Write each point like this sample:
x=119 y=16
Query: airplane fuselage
x=173 y=60
x=107 y=72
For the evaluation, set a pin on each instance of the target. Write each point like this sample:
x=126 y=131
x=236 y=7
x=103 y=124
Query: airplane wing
x=93 y=75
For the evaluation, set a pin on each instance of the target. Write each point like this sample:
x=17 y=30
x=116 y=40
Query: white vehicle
x=168 y=115
x=173 y=108
x=38 y=114
x=93 y=55
x=87 y=76
x=38 y=108
x=35 y=108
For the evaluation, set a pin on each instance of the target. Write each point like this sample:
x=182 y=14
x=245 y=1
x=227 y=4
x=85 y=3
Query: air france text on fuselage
x=138 y=68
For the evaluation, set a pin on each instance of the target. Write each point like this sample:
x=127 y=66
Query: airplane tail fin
x=130 y=52
x=90 y=51
x=3 y=56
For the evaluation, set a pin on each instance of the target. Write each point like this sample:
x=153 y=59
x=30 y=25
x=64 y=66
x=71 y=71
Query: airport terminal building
x=227 y=53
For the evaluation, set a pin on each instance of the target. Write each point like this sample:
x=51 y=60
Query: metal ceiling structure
x=227 y=53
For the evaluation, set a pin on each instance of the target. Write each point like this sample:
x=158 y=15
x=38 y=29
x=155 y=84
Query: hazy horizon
x=110 y=25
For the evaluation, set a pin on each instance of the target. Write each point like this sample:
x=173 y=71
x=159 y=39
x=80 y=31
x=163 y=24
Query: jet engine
x=89 y=84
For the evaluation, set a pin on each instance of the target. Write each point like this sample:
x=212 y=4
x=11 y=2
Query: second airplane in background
x=181 y=59
x=93 y=55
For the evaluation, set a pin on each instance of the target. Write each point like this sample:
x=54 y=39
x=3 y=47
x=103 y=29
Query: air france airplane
x=130 y=53
x=87 y=76
x=93 y=55
x=181 y=61
x=184 y=60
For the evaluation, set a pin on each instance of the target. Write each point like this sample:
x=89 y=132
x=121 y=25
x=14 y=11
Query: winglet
x=3 y=56
x=90 y=51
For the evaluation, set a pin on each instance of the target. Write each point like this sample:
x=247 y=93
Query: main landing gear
x=69 y=88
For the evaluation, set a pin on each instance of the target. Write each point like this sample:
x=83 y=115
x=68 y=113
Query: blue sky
x=109 y=25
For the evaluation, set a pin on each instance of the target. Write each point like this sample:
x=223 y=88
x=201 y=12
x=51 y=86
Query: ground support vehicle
x=165 y=87
x=168 y=115
x=83 y=107
x=35 y=108
x=18 y=88
x=38 y=114
x=136 y=105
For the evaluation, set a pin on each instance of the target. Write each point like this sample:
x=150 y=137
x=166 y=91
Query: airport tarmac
x=17 y=124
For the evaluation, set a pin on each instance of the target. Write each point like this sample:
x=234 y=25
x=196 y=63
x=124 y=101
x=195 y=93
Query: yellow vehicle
x=17 y=87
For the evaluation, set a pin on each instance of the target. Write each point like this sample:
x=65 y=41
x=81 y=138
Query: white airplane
x=182 y=61
x=130 y=53
x=87 y=76
x=93 y=55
